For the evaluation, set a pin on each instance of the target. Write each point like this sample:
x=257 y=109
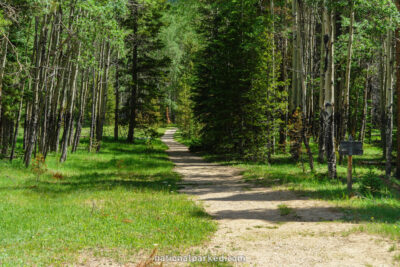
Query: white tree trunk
x=329 y=103
x=389 y=103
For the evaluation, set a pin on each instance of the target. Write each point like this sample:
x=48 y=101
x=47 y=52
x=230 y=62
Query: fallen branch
x=150 y=261
x=380 y=163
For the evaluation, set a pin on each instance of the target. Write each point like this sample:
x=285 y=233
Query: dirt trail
x=250 y=222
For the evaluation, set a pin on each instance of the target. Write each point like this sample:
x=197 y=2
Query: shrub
x=196 y=145
x=57 y=176
x=370 y=185
x=39 y=166
x=150 y=135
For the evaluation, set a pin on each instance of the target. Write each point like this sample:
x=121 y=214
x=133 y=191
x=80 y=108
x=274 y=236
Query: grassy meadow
x=375 y=203
x=116 y=204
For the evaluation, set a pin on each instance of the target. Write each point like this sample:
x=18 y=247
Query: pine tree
x=236 y=93
x=147 y=68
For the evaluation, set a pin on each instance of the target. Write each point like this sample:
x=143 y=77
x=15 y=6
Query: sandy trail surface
x=250 y=223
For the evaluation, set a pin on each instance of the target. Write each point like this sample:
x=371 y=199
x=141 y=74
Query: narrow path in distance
x=251 y=224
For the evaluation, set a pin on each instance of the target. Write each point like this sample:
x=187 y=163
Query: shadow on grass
x=127 y=163
x=381 y=213
x=106 y=181
x=118 y=164
x=200 y=214
x=383 y=208
x=163 y=181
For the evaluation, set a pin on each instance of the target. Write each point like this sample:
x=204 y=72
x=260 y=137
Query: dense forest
x=243 y=78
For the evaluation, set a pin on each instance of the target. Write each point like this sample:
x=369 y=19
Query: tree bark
x=398 y=93
x=117 y=100
x=135 y=76
x=79 y=120
x=323 y=66
x=104 y=95
x=2 y=68
x=346 y=95
x=100 y=88
x=94 y=110
x=329 y=105
x=365 y=108
x=284 y=114
x=68 y=115
x=14 y=140
x=383 y=100
x=296 y=99
x=31 y=144
x=61 y=109
x=389 y=105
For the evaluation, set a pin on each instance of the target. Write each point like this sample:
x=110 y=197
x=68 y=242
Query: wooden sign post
x=349 y=173
x=350 y=148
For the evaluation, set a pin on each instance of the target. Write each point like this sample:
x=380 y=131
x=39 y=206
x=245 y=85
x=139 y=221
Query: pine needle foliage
x=237 y=92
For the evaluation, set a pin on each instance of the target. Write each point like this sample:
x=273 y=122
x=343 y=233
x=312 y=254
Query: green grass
x=115 y=204
x=378 y=213
x=284 y=210
x=185 y=141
